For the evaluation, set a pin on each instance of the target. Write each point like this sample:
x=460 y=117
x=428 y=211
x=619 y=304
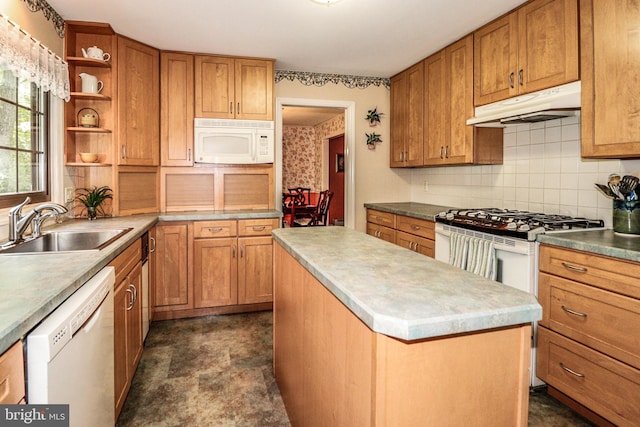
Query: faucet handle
x=17 y=209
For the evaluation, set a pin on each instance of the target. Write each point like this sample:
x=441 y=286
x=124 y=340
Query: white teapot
x=95 y=52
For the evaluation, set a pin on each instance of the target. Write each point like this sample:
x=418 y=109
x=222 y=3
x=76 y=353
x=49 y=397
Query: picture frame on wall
x=339 y=162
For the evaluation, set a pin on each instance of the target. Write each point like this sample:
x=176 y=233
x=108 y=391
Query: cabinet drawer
x=419 y=227
x=207 y=229
x=381 y=232
x=600 y=319
x=415 y=243
x=382 y=218
x=12 y=376
x=602 y=384
x=257 y=227
x=603 y=272
x=128 y=259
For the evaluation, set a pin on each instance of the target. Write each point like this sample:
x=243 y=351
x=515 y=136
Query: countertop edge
x=411 y=209
x=601 y=242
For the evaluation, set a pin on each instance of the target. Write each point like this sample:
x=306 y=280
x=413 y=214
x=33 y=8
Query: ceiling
x=308 y=116
x=357 y=37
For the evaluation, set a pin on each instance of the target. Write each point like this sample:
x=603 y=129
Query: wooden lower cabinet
x=12 y=389
x=588 y=346
x=213 y=267
x=128 y=341
x=414 y=234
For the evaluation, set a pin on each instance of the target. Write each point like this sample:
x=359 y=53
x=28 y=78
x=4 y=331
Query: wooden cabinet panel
x=254 y=89
x=382 y=218
x=233 y=88
x=380 y=231
x=219 y=228
x=12 y=389
x=257 y=227
x=176 y=109
x=398 y=120
x=435 y=132
x=601 y=383
x=215 y=272
x=414 y=234
x=121 y=300
x=533 y=48
x=407 y=106
x=138 y=103
x=419 y=227
x=255 y=270
x=415 y=243
x=134 y=320
x=610 y=66
x=172 y=281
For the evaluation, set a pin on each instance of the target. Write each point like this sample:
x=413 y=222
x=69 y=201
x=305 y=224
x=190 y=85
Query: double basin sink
x=67 y=241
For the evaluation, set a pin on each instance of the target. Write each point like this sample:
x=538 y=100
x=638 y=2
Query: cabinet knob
x=258 y=228
x=511 y=76
x=520 y=77
x=214 y=229
x=238 y=110
x=231 y=108
x=152 y=249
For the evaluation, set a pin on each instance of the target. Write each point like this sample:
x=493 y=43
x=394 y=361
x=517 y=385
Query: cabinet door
x=548 y=44
x=415 y=115
x=381 y=232
x=215 y=269
x=459 y=93
x=152 y=271
x=435 y=108
x=172 y=287
x=121 y=301
x=255 y=270
x=176 y=109
x=398 y=119
x=495 y=60
x=254 y=89
x=134 y=320
x=610 y=67
x=138 y=103
x=214 y=87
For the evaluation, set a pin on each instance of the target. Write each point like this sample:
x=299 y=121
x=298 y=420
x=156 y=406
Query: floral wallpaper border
x=321 y=79
x=49 y=13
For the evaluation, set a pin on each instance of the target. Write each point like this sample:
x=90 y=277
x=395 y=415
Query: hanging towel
x=473 y=254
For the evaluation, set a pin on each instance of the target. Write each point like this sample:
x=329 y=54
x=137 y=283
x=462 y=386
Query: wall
x=34 y=23
x=542 y=171
x=299 y=155
x=374 y=180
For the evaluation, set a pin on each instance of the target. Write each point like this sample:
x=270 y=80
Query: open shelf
x=84 y=95
x=90 y=165
x=87 y=129
x=88 y=62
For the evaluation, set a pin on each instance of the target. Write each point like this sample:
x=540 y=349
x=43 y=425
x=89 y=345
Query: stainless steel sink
x=67 y=241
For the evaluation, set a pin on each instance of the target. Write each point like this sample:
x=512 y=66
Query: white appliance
x=233 y=141
x=547 y=104
x=70 y=355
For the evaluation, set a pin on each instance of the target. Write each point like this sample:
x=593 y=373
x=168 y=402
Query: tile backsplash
x=542 y=171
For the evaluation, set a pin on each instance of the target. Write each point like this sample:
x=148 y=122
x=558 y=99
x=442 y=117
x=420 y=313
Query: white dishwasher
x=70 y=354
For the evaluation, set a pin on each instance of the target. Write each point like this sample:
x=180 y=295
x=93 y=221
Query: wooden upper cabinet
x=610 y=68
x=176 y=109
x=459 y=93
x=138 y=103
x=435 y=101
x=407 y=105
x=233 y=88
x=532 y=48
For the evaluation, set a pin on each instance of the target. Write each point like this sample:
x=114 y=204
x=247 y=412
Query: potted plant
x=373 y=139
x=373 y=117
x=93 y=198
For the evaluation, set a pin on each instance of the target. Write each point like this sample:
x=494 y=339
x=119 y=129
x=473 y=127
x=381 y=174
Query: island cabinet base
x=333 y=370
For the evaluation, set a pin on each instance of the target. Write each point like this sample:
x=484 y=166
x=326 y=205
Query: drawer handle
x=571 y=371
x=575 y=313
x=258 y=228
x=214 y=229
x=379 y=218
x=575 y=268
x=415 y=227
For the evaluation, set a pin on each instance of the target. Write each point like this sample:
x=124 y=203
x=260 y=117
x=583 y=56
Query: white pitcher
x=91 y=84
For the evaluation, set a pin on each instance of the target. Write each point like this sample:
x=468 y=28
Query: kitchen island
x=368 y=333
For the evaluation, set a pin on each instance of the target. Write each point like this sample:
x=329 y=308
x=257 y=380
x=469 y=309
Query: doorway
x=336 y=179
x=347 y=109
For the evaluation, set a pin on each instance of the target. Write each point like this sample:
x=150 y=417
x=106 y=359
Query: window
x=24 y=141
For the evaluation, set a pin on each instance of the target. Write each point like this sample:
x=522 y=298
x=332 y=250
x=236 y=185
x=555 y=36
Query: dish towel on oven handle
x=473 y=254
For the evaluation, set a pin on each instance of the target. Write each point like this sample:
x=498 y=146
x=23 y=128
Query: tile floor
x=217 y=371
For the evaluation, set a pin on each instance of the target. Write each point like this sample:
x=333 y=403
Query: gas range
x=515 y=223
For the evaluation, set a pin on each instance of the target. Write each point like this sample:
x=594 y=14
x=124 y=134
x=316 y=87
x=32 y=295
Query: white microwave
x=233 y=141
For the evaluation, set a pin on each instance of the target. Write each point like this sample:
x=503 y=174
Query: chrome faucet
x=18 y=223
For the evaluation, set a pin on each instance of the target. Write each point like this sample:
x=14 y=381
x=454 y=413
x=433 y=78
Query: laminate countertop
x=411 y=209
x=601 y=242
x=34 y=285
x=400 y=293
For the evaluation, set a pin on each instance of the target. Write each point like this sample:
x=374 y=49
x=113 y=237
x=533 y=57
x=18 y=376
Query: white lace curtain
x=29 y=59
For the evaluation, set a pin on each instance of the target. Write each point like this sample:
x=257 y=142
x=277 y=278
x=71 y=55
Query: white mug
x=91 y=84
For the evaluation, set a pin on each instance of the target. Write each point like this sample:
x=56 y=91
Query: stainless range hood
x=548 y=104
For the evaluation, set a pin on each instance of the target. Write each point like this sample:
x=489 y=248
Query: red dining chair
x=319 y=215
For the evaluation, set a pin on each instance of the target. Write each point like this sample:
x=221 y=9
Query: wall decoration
x=49 y=13
x=321 y=79
x=373 y=139
x=339 y=162
x=373 y=117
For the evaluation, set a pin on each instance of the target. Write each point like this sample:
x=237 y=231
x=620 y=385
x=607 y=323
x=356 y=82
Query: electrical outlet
x=69 y=194
x=426 y=185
